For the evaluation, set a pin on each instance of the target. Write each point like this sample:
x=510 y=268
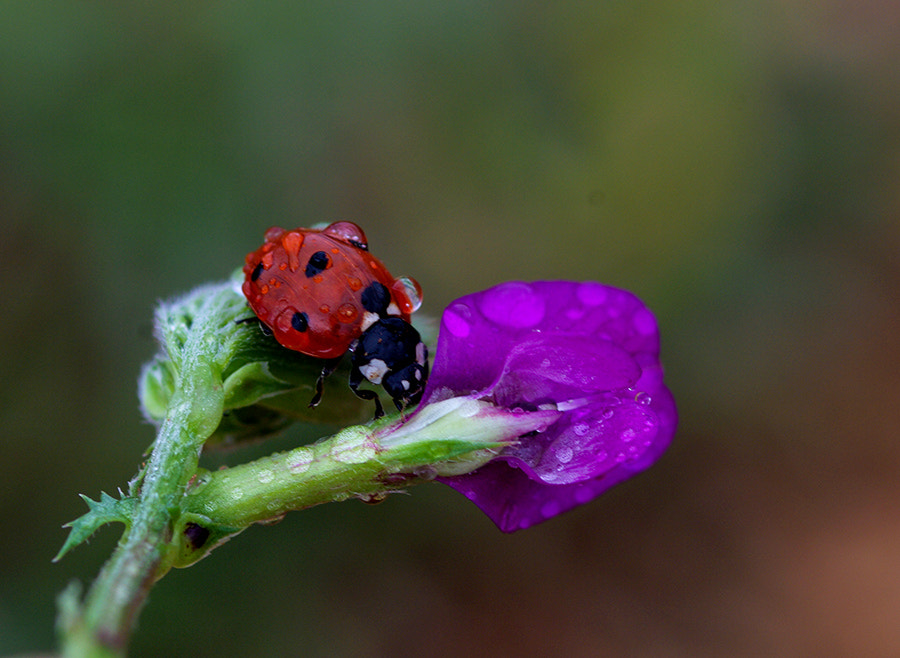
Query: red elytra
x=314 y=288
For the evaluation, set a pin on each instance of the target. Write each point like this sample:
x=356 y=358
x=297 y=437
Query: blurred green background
x=736 y=164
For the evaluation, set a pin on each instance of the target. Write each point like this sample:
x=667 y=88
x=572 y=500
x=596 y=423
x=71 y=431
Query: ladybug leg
x=263 y=327
x=356 y=379
x=329 y=367
x=405 y=386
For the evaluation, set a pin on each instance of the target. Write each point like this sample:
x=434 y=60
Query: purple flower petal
x=589 y=350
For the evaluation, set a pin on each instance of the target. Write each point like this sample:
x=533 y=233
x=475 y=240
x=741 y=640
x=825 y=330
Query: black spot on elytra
x=376 y=297
x=196 y=535
x=317 y=264
x=300 y=321
x=254 y=275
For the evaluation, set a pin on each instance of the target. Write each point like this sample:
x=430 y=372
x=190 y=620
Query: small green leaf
x=100 y=512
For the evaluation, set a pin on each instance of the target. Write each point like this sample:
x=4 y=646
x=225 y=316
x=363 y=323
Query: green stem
x=353 y=463
x=146 y=550
x=445 y=438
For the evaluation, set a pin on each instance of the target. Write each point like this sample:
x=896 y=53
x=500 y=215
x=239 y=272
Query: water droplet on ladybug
x=346 y=313
x=408 y=292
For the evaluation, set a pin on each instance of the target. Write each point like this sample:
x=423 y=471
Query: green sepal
x=155 y=387
x=100 y=512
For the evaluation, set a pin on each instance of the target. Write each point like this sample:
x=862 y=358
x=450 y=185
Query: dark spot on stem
x=196 y=535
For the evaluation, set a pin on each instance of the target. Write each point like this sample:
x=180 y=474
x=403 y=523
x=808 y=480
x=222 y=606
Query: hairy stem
x=103 y=626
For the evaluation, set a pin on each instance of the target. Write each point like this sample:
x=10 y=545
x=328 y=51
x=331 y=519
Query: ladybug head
x=391 y=353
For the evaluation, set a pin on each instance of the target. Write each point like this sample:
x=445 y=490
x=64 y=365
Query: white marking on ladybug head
x=374 y=370
x=393 y=309
x=369 y=319
x=405 y=384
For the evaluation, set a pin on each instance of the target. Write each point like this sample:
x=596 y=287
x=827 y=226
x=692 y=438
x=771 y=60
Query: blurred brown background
x=736 y=164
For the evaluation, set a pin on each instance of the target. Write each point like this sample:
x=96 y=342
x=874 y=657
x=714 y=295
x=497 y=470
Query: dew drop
x=591 y=293
x=643 y=398
x=300 y=464
x=513 y=305
x=583 y=495
x=456 y=320
x=410 y=289
x=265 y=476
x=607 y=414
x=549 y=509
x=346 y=313
x=644 y=322
x=564 y=454
x=425 y=472
x=581 y=429
x=627 y=435
x=352 y=450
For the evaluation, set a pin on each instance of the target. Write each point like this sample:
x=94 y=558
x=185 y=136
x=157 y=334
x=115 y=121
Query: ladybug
x=320 y=292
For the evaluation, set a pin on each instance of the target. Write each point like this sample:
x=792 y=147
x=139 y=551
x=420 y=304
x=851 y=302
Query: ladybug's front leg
x=328 y=367
x=356 y=378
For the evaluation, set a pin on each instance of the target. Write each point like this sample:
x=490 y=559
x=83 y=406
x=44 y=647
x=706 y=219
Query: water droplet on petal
x=643 y=398
x=581 y=429
x=644 y=322
x=549 y=509
x=627 y=435
x=564 y=454
x=456 y=320
x=583 y=495
x=513 y=305
x=591 y=293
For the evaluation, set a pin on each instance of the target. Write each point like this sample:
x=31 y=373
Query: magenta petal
x=589 y=350
x=514 y=501
x=567 y=367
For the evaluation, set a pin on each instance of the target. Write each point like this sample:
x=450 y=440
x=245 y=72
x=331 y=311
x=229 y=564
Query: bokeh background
x=736 y=164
